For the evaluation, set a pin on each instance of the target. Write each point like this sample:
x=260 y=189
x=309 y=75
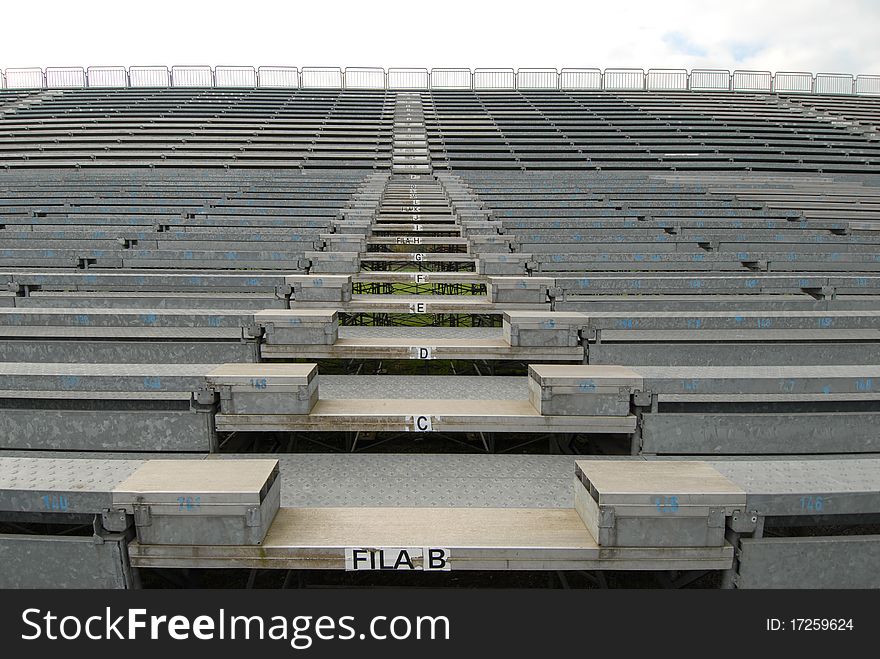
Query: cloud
x=808 y=35
x=681 y=44
x=743 y=51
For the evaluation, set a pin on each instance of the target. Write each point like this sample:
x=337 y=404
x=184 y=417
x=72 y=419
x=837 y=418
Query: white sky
x=782 y=35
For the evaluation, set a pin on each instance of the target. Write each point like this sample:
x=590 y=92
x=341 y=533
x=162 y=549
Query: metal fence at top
x=709 y=80
x=289 y=77
x=867 y=85
x=61 y=77
x=580 y=79
x=192 y=76
x=315 y=77
x=285 y=77
x=624 y=79
x=791 y=82
x=25 y=78
x=494 y=79
x=537 y=79
x=451 y=79
x=408 y=79
x=666 y=79
x=752 y=81
x=833 y=83
x=364 y=78
x=235 y=76
x=149 y=76
x=107 y=76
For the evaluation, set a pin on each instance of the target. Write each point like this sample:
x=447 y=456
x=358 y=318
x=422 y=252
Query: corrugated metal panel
x=24 y=78
x=498 y=79
x=537 y=79
x=192 y=76
x=580 y=79
x=278 y=76
x=235 y=76
x=62 y=562
x=149 y=76
x=666 y=79
x=58 y=77
x=624 y=79
x=364 y=78
x=813 y=562
x=834 y=83
x=752 y=81
x=791 y=82
x=710 y=80
x=107 y=76
x=867 y=85
x=407 y=78
x=451 y=79
x=321 y=77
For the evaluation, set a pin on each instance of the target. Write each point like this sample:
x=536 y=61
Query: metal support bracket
x=606 y=518
x=253 y=517
x=142 y=514
x=642 y=398
x=204 y=397
x=716 y=518
x=744 y=521
x=114 y=520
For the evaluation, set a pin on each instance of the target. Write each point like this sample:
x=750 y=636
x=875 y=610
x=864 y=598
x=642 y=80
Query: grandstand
x=584 y=320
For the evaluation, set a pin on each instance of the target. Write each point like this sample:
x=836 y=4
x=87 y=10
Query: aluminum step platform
x=774 y=485
x=340 y=519
x=460 y=343
x=417 y=257
x=419 y=277
x=473 y=539
x=421 y=304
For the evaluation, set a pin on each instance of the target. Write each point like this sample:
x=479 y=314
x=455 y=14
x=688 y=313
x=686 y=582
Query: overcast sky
x=782 y=35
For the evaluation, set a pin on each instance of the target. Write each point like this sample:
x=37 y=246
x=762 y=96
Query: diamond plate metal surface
x=58 y=485
x=13 y=368
x=190 y=333
x=424 y=387
x=88 y=475
x=468 y=481
x=419 y=333
x=803 y=476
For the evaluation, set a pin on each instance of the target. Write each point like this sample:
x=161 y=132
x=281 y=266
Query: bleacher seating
x=651 y=274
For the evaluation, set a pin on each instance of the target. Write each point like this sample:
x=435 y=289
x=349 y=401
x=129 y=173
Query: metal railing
x=407 y=79
x=149 y=76
x=752 y=81
x=583 y=79
x=498 y=79
x=290 y=77
x=794 y=82
x=235 y=76
x=107 y=76
x=666 y=79
x=314 y=77
x=364 y=78
x=633 y=79
x=192 y=76
x=537 y=79
x=285 y=77
x=60 y=77
x=451 y=79
x=709 y=80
